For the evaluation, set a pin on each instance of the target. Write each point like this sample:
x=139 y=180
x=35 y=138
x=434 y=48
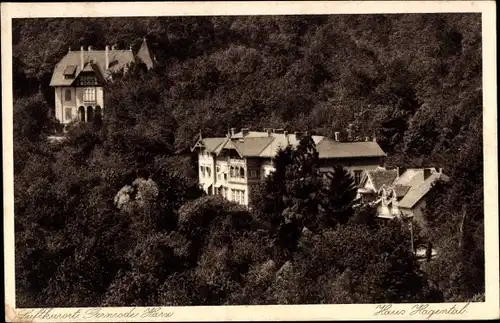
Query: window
x=68 y=114
x=242 y=172
x=208 y=172
x=89 y=94
x=253 y=174
x=87 y=80
x=226 y=194
x=225 y=177
x=357 y=176
x=67 y=95
x=238 y=196
x=202 y=171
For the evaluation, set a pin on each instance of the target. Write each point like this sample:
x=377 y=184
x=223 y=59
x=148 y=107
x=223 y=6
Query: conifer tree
x=340 y=196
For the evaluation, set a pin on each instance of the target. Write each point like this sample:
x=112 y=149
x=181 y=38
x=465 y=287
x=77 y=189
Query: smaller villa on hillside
x=79 y=79
x=233 y=165
x=399 y=192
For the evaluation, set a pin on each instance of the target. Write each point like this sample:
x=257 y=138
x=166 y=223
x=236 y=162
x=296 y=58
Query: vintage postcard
x=223 y=161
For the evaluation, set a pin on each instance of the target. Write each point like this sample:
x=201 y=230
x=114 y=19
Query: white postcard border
x=485 y=310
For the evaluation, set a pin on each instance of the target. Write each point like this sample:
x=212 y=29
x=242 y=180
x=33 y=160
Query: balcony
x=239 y=180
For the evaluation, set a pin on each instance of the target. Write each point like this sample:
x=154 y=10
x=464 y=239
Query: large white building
x=231 y=166
x=79 y=79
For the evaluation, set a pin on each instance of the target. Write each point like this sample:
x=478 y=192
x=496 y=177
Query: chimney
x=244 y=131
x=130 y=48
x=285 y=133
x=69 y=49
x=298 y=135
x=113 y=47
x=306 y=133
x=337 y=136
x=82 y=59
x=233 y=131
x=269 y=131
x=367 y=138
x=107 y=56
x=90 y=48
x=374 y=138
x=440 y=170
x=427 y=173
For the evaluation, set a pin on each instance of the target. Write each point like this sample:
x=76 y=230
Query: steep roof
x=144 y=54
x=118 y=59
x=252 y=147
x=401 y=190
x=329 y=148
x=213 y=145
x=419 y=190
x=380 y=177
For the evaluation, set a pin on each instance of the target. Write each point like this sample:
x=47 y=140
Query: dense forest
x=113 y=216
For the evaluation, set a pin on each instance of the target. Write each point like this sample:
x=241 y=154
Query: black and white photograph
x=209 y=160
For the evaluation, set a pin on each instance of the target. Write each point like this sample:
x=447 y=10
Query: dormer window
x=69 y=71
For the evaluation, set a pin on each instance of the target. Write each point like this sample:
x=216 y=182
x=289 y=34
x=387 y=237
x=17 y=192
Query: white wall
x=99 y=97
x=206 y=161
x=76 y=101
x=57 y=93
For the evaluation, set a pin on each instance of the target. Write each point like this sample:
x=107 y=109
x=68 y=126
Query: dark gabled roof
x=381 y=177
x=328 y=148
x=118 y=59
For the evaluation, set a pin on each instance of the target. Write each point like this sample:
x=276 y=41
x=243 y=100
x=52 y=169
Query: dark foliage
x=113 y=215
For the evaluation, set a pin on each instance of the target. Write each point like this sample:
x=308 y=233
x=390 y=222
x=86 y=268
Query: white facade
x=69 y=102
x=224 y=176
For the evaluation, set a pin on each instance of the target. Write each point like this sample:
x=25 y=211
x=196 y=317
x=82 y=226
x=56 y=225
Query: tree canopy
x=113 y=215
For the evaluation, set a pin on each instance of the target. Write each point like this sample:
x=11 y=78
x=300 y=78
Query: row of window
x=205 y=171
x=88 y=80
x=239 y=172
x=234 y=172
x=88 y=94
x=235 y=195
